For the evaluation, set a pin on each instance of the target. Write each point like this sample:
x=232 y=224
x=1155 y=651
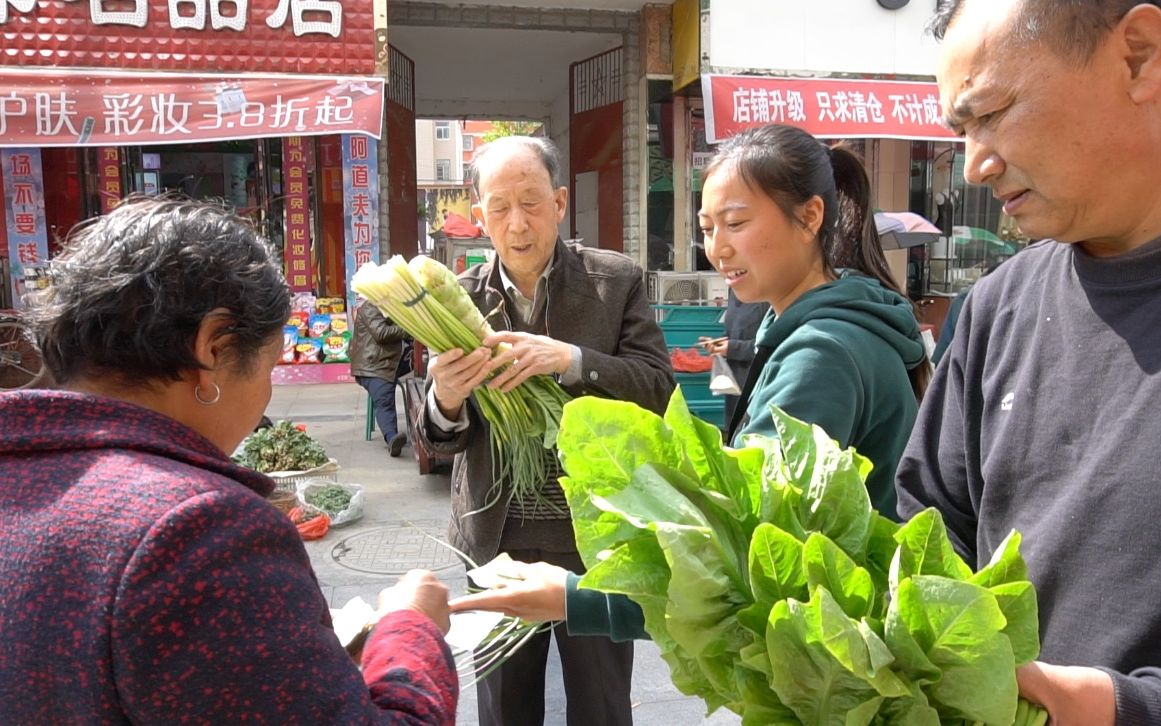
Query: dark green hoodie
x=841 y=354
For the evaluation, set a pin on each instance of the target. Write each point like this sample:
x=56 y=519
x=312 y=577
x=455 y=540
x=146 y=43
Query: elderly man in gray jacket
x=580 y=314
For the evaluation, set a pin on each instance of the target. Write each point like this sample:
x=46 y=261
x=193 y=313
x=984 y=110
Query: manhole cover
x=396 y=548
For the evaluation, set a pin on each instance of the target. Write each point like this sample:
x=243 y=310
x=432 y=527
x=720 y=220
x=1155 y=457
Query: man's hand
x=714 y=346
x=455 y=375
x=538 y=596
x=1072 y=695
x=529 y=355
x=420 y=591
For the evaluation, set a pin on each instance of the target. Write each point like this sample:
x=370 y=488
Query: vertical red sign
x=109 y=161
x=299 y=272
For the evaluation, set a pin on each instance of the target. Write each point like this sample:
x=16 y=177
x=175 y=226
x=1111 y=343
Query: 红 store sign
x=280 y=36
x=70 y=108
x=827 y=108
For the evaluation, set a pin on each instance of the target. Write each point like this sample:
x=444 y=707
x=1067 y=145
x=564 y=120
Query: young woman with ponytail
x=788 y=221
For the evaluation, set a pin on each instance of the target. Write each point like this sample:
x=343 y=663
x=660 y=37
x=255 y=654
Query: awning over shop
x=827 y=108
x=43 y=107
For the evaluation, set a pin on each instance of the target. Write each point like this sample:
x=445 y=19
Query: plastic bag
x=722 y=381
x=689 y=361
x=350 y=513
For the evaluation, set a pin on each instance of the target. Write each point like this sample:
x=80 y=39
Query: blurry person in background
x=741 y=321
x=377 y=348
x=146 y=578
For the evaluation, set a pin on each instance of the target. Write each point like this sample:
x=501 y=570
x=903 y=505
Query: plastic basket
x=288 y=480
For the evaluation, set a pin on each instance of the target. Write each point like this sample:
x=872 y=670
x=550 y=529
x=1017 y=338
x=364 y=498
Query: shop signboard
x=23 y=185
x=262 y=36
x=826 y=107
x=296 y=198
x=360 y=204
x=109 y=160
x=70 y=108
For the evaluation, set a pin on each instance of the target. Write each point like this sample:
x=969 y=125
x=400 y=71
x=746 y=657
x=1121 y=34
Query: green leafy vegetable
x=281 y=447
x=773 y=589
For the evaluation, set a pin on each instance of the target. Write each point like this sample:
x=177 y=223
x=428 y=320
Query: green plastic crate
x=682 y=325
x=695 y=387
x=713 y=412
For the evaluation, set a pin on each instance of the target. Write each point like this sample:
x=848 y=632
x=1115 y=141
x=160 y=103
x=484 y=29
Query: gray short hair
x=126 y=298
x=1070 y=28
x=545 y=150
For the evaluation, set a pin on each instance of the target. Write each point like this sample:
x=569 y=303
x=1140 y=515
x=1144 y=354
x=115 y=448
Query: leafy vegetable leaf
x=958 y=627
x=924 y=549
x=803 y=673
x=829 y=567
x=834 y=500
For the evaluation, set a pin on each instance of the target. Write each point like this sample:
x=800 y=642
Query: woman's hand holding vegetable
x=530 y=355
x=418 y=590
x=455 y=375
x=538 y=595
x=1072 y=695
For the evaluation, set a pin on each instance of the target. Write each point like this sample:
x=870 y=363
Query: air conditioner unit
x=714 y=290
x=675 y=288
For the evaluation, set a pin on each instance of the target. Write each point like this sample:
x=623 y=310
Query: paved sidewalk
x=362 y=558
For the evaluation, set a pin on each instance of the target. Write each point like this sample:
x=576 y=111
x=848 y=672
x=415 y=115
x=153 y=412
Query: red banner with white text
x=64 y=108
x=296 y=196
x=825 y=107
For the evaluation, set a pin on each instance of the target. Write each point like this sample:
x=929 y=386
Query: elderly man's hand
x=530 y=355
x=538 y=595
x=418 y=590
x=455 y=375
x=1073 y=696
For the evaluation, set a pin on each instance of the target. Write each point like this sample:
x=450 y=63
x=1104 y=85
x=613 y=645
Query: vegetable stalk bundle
x=425 y=299
x=773 y=588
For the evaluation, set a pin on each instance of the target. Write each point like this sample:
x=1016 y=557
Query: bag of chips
x=289 y=341
x=309 y=350
x=320 y=325
x=339 y=324
x=336 y=348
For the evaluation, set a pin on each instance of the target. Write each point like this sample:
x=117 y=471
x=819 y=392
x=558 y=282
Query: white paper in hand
x=352 y=619
x=469 y=629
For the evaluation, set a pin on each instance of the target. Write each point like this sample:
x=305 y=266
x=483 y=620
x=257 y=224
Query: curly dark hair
x=1071 y=28
x=127 y=297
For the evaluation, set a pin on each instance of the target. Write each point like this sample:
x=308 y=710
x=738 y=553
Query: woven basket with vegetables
x=287 y=453
x=426 y=300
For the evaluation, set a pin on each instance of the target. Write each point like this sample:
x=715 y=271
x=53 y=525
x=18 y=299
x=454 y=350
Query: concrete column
x=632 y=133
x=682 y=198
x=384 y=194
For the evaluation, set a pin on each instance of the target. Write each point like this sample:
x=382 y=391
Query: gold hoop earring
x=198 y=395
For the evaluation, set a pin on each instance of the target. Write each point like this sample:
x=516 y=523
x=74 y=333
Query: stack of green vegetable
x=281 y=447
x=426 y=300
x=771 y=586
x=331 y=499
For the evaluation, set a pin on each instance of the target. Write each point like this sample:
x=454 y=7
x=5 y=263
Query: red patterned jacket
x=144 y=579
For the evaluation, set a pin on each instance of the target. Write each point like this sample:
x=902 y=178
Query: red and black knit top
x=144 y=579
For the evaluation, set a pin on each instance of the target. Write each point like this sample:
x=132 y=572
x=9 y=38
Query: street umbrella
x=899 y=230
x=981 y=240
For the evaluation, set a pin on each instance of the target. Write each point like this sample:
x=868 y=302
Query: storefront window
x=975 y=234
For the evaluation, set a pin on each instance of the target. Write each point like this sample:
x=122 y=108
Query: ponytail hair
x=856 y=244
x=790 y=167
